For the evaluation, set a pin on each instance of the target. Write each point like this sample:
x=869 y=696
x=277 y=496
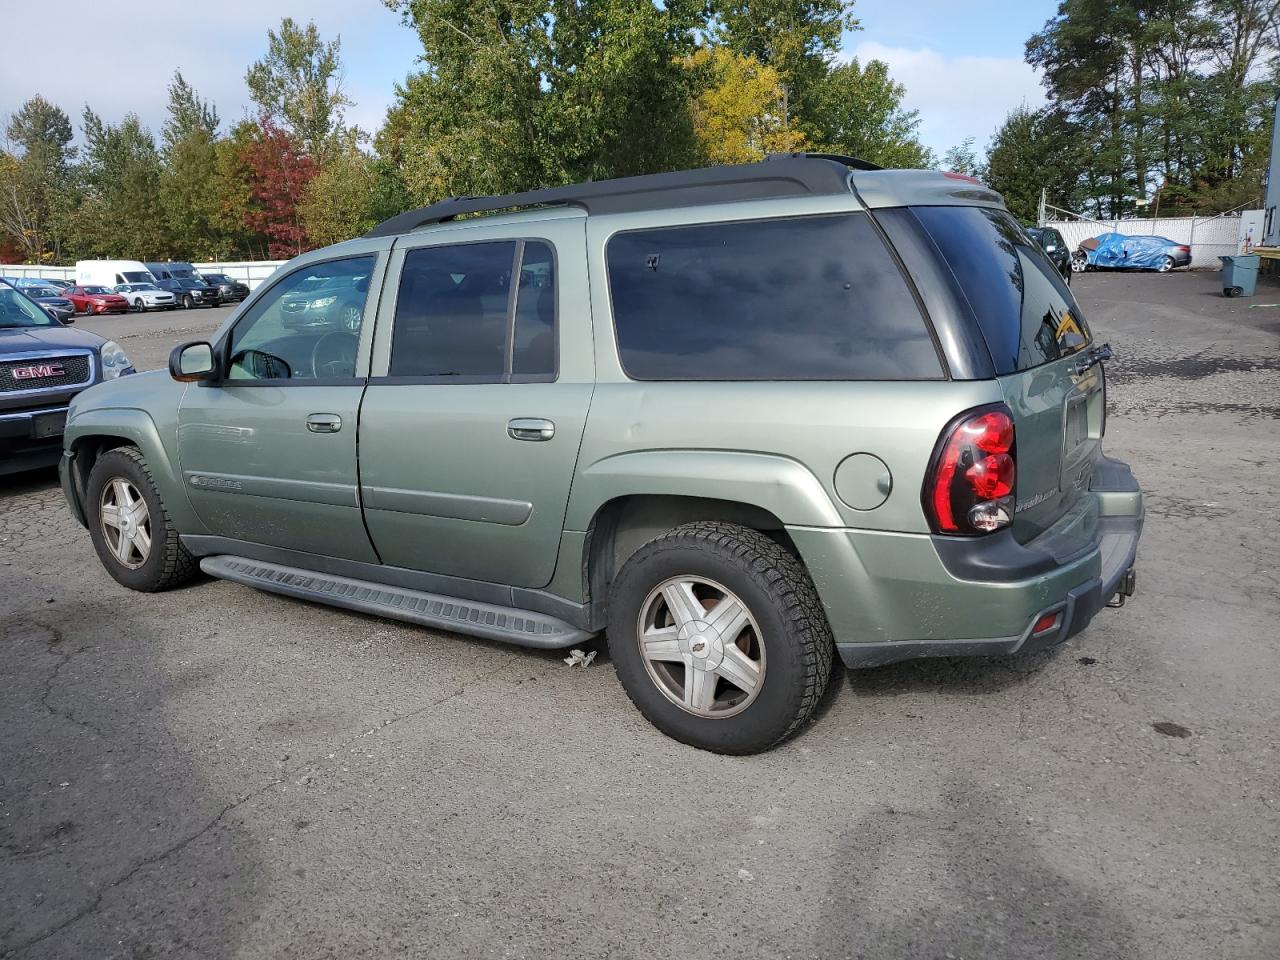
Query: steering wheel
x=334 y=355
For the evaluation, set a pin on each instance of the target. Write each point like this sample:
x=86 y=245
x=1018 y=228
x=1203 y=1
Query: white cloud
x=957 y=97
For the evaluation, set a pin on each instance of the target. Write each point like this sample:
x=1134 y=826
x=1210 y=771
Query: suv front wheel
x=719 y=638
x=131 y=530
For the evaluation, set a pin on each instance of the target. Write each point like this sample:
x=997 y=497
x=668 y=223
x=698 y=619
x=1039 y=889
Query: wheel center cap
x=700 y=641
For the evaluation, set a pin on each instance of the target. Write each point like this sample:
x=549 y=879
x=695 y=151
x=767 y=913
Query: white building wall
x=1208 y=237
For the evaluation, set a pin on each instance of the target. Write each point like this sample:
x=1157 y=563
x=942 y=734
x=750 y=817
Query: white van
x=112 y=273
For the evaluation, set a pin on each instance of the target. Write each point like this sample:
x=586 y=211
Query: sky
x=962 y=64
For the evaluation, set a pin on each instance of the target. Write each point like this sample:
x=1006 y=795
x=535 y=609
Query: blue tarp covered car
x=1116 y=251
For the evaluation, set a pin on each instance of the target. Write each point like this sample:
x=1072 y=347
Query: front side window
x=306 y=327
x=460 y=317
x=803 y=298
x=1026 y=313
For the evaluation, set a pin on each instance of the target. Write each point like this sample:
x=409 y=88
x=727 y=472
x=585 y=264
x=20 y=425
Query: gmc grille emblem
x=38 y=371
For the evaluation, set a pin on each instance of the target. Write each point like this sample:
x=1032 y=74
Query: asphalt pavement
x=217 y=772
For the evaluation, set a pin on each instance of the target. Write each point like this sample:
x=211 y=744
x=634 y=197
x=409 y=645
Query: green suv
x=739 y=419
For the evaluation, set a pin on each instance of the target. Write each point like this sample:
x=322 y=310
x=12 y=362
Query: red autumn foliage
x=279 y=173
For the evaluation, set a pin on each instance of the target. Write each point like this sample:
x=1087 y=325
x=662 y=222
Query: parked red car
x=96 y=300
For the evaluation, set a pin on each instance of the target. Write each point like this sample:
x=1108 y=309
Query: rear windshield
x=803 y=298
x=1026 y=313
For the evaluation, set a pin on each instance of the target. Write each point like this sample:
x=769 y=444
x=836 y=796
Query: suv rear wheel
x=718 y=637
x=131 y=530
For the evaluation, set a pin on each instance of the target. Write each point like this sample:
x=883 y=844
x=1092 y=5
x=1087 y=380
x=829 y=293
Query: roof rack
x=779 y=175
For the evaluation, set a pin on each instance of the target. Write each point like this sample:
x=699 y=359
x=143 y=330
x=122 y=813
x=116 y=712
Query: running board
x=493 y=622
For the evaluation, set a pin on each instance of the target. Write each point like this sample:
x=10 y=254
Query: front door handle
x=531 y=428
x=324 y=423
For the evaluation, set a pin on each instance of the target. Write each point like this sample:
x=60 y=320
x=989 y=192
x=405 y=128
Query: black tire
x=188 y=302
x=1233 y=291
x=779 y=596
x=139 y=306
x=169 y=564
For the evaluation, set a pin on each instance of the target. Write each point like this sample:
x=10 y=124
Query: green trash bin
x=1239 y=275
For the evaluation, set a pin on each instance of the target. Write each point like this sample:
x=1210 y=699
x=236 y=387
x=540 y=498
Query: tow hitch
x=1127 y=587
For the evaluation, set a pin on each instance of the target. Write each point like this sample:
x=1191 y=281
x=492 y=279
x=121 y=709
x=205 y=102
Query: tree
x=858 y=112
x=519 y=94
x=231 y=190
x=739 y=111
x=1161 y=93
x=338 y=203
x=962 y=158
x=797 y=38
x=279 y=172
x=35 y=178
x=121 y=172
x=190 y=207
x=299 y=84
x=1035 y=150
x=187 y=114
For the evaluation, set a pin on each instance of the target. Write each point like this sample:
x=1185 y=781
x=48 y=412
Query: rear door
x=482 y=377
x=1036 y=334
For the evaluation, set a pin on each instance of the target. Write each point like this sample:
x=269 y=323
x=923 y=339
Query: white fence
x=1208 y=237
x=252 y=272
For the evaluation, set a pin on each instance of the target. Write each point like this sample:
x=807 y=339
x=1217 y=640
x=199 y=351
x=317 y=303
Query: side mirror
x=192 y=362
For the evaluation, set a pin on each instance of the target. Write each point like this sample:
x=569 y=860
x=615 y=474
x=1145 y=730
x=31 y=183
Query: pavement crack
x=142 y=864
x=64 y=656
x=182 y=844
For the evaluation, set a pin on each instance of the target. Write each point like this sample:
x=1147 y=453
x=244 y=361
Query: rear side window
x=805 y=298
x=460 y=316
x=1026 y=313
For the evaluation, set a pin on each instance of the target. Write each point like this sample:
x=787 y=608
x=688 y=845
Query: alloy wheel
x=701 y=646
x=125 y=522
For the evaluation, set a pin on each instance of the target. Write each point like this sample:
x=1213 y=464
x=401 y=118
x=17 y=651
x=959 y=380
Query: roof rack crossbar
x=781 y=175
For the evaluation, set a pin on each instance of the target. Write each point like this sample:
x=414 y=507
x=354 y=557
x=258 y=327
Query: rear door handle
x=324 y=423
x=530 y=428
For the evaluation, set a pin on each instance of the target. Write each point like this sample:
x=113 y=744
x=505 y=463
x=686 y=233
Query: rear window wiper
x=1092 y=357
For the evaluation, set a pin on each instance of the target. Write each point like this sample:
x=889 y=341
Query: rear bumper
x=891 y=597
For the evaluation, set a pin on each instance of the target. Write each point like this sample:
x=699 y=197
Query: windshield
x=136 y=276
x=1026 y=312
x=135 y=287
x=40 y=292
x=17 y=311
x=95 y=290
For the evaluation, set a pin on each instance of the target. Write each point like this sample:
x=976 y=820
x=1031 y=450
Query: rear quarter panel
x=805 y=427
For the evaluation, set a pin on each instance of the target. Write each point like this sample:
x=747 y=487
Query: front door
x=268 y=454
x=470 y=435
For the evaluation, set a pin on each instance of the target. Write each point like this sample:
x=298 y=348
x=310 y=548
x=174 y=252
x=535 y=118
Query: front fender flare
x=136 y=427
x=780 y=485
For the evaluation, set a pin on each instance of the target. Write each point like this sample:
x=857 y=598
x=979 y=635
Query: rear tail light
x=970 y=487
x=1185 y=249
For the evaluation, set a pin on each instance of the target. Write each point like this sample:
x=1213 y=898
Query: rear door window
x=1026 y=313
x=460 y=318
x=803 y=298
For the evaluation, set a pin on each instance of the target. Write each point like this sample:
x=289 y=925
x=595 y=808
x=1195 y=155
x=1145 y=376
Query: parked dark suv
x=741 y=419
x=1055 y=248
x=43 y=364
x=229 y=289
